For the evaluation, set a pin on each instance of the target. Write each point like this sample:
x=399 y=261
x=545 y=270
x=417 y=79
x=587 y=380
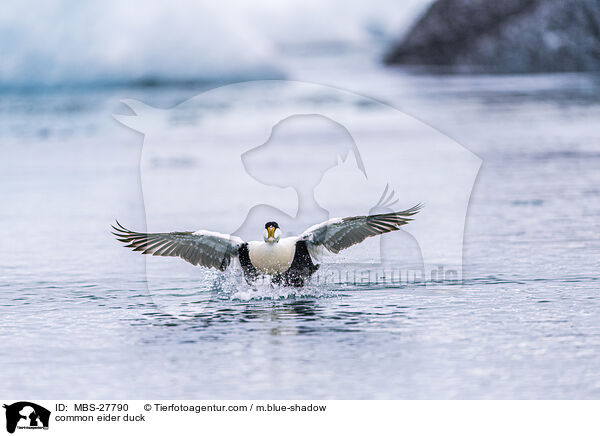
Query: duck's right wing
x=205 y=248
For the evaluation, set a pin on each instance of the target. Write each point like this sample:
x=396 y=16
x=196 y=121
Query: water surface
x=77 y=319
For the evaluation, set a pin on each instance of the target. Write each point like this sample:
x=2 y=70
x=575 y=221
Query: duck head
x=272 y=232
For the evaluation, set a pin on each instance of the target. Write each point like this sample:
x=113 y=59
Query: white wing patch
x=337 y=234
x=205 y=248
x=217 y=235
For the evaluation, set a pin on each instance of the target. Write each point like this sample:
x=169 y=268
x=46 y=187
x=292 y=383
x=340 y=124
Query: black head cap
x=271 y=223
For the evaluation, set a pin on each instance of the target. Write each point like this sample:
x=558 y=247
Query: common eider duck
x=288 y=260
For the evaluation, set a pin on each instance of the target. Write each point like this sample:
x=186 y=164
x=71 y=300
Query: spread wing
x=339 y=233
x=209 y=249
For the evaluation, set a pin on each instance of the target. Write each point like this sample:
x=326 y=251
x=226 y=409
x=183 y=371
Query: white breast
x=272 y=258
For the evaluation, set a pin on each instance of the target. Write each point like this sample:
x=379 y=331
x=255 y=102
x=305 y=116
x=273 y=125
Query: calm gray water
x=77 y=319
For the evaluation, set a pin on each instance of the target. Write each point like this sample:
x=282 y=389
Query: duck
x=289 y=261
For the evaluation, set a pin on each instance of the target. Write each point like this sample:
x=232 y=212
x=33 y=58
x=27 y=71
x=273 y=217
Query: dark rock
x=509 y=36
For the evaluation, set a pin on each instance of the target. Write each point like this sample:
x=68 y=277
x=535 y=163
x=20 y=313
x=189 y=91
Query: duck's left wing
x=209 y=249
x=339 y=233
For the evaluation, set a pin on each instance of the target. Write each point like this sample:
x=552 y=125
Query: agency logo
x=26 y=415
x=298 y=154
